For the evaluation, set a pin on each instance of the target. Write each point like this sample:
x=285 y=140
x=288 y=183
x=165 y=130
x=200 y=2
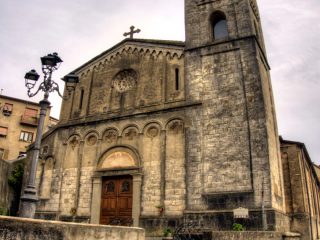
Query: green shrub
x=167 y=232
x=16 y=177
x=237 y=227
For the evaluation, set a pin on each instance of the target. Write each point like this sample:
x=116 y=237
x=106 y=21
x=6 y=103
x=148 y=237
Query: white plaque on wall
x=241 y=213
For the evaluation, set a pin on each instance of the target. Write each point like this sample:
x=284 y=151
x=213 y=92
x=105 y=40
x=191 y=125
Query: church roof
x=150 y=42
x=303 y=147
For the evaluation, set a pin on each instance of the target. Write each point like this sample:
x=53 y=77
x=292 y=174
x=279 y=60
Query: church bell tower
x=227 y=71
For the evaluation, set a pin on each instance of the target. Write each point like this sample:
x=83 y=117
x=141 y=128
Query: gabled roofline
x=304 y=149
x=179 y=44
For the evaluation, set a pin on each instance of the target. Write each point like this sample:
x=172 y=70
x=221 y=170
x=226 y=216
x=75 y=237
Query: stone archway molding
x=119 y=157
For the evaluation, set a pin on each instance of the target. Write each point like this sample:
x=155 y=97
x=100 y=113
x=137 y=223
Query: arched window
x=219 y=26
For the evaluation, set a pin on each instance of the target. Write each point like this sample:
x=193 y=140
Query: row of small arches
x=133 y=50
x=129 y=132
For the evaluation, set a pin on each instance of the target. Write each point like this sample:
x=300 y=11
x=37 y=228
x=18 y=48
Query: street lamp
x=50 y=63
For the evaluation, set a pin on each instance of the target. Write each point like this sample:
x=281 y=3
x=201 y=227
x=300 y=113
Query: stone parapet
x=253 y=236
x=30 y=229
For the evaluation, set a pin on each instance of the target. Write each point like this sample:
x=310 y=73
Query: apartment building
x=18 y=125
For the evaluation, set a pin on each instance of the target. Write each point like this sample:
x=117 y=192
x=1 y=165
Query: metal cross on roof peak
x=132 y=31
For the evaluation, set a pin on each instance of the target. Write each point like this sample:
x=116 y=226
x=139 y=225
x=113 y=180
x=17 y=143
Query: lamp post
x=50 y=63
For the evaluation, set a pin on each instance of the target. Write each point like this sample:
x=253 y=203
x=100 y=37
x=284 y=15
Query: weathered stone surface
x=301 y=189
x=193 y=124
x=4 y=187
x=247 y=235
x=9 y=203
x=29 y=229
x=237 y=120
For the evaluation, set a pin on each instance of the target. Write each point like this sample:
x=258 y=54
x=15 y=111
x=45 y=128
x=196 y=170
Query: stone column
x=99 y=151
x=79 y=168
x=163 y=147
x=136 y=199
x=96 y=200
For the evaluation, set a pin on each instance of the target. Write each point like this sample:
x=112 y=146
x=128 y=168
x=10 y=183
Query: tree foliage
x=16 y=177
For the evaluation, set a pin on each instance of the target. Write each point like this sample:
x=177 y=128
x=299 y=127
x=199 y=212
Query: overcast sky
x=80 y=29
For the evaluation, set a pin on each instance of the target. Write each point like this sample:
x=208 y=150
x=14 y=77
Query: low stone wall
x=30 y=229
x=254 y=236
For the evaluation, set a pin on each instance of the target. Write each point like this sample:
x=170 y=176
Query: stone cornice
x=155 y=48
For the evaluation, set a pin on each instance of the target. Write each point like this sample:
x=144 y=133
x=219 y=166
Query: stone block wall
x=151 y=188
x=252 y=236
x=85 y=193
x=9 y=198
x=226 y=153
x=198 y=20
x=239 y=145
x=154 y=81
x=79 y=155
x=302 y=189
x=4 y=187
x=30 y=229
x=175 y=185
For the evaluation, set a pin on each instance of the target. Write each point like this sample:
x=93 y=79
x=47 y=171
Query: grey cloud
x=80 y=29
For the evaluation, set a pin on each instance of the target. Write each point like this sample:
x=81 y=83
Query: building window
x=177 y=79
x=3 y=131
x=7 y=109
x=30 y=117
x=219 y=26
x=81 y=99
x=26 y=136
x=31 y=113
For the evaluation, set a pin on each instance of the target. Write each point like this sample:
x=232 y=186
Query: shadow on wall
x=11 y=175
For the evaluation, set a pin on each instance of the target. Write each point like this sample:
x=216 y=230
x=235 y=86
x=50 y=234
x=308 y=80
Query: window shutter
x=8 y=107
x=3 y=131
x=31 y=112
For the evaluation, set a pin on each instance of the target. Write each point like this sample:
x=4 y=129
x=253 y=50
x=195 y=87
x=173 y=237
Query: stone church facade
x=158 y=132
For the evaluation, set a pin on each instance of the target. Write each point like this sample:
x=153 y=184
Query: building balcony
x=29 y=120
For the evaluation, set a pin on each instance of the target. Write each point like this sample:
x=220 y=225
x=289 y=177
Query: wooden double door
x=116 y=201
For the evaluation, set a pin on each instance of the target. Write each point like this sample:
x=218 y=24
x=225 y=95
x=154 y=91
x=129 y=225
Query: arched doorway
x=116 y=200
x=117 y=188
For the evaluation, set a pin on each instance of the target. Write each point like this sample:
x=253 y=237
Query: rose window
x=125 y=80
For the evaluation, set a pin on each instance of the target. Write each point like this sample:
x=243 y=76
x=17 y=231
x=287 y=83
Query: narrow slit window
x=81 y=99
x=177 y=79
